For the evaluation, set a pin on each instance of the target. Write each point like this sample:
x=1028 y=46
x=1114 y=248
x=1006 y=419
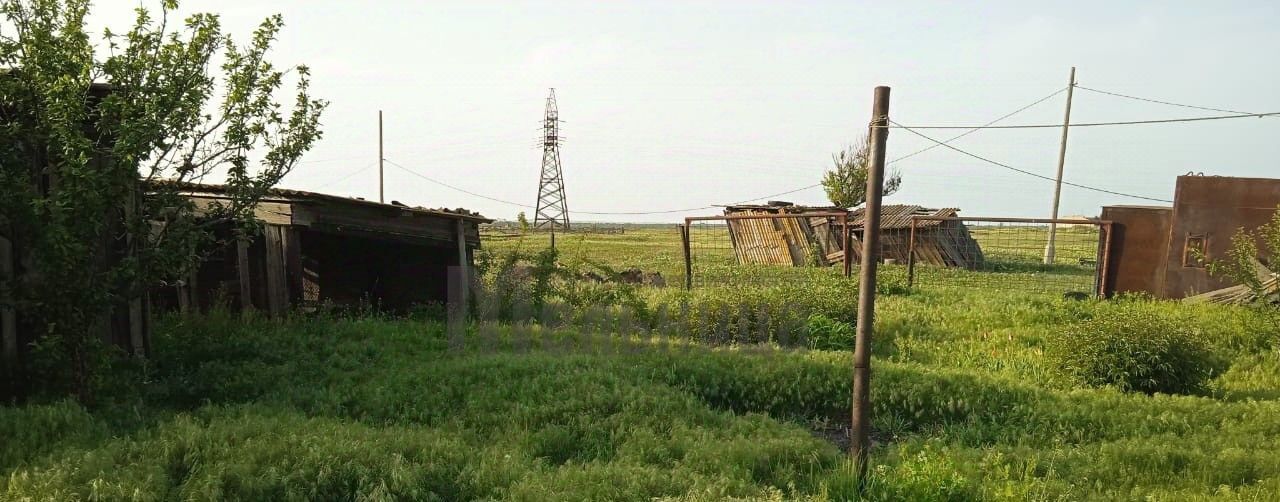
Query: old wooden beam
x=464 y=272
x=243 y=274
x=277 y=286
x=291 y=239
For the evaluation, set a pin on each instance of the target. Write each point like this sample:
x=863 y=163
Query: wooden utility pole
x=861 y=432
x=1062 y=159
x=381 y=193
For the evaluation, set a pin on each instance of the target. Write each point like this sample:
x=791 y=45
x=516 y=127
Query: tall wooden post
x=846 y=242
x=688 y=257
x=867 y=286
x=911 y=256
x=244 y=274
x=381 y=192
x=1049 y=250
x=464 y=272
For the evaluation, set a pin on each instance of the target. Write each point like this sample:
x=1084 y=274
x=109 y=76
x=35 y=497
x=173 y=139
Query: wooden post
x=193 y=288
x=1104 y=261
x=381 y=192
x=244 y=274
x=277 y=294
x=8 y=316
x=867 y=286
x=137 y=328
x=464 y=272
x=1057 y=187
x=911 y=256
x=688 y=257
x=846 y=239
x=137 y=320
x=291 y=241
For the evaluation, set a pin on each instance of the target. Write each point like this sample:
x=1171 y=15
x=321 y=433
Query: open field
x=1013 y=258
x=970 y=403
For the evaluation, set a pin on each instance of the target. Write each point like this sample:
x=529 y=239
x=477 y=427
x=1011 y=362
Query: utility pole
x=381 y=193
x=1062 y=159
x=867 y=286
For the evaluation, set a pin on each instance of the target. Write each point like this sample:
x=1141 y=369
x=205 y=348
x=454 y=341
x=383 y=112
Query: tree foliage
x=846 y=181
x=98 y=138
x=1245 y=254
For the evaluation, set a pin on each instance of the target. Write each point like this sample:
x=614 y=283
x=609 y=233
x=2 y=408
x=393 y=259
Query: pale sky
x=671 y=105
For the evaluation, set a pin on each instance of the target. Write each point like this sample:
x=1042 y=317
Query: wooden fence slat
x=291 y=239
x=244 y=274
x=277 y=287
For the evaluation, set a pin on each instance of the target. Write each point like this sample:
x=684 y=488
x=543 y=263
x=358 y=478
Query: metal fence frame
x=1103 y=254
x=841 y=218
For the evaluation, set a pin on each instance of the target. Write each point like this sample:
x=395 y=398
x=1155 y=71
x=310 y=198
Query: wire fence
x=764 y=249
x=1005 y=253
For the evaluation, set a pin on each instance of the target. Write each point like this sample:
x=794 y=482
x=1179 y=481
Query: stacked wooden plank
x=1269 y=290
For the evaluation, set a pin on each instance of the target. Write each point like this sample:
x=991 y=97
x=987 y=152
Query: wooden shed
x=798 y=241
x=317 y=249
x=940 y=242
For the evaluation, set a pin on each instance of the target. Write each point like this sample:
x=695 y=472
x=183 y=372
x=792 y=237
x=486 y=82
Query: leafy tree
x=846 y=182
x=96 y=142
x=1242 y=260
x=523 y=221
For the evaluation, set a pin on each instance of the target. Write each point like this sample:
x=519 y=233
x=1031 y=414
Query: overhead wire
x=1170 y=103
x=936 y=143
x=348 y=176
x=1023 y=171
x=930 y=147
x=1091 y=124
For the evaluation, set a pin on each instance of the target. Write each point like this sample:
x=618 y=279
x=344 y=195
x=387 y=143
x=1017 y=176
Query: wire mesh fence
x=764 y=249
x=1005 y=253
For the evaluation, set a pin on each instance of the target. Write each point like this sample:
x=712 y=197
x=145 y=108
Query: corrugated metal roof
x=898 y=216
x=290 y=194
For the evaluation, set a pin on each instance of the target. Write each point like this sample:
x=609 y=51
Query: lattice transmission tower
x=552 y=211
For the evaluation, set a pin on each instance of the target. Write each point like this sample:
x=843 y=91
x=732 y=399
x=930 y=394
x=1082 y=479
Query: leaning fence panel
x=764 y=249
x=1007 y=254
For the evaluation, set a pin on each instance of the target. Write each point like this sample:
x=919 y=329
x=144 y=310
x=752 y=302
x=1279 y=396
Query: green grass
x=966 y=406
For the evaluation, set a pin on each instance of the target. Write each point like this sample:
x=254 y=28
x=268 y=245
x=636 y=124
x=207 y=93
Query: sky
x=675 y=105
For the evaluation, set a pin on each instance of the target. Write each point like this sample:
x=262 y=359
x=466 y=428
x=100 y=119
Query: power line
x=446 y=185
x=930 y=147
x=526 y=206
x=1023 y=171
x=348 y=176
x=1149 y=100
x=1093 y=124
x=976 y=129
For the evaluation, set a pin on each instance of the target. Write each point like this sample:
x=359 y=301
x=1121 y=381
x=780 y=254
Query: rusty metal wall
x=1139 y=248
x=1213 y=208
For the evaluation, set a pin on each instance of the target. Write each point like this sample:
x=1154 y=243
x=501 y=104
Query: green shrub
x=1134 y=349
x=825 y=333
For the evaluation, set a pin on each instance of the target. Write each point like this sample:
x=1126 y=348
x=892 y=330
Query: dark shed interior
x=316 y=249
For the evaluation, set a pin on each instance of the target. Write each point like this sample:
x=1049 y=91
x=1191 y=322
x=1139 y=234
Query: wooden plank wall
x=244 y=275
x=277 y=276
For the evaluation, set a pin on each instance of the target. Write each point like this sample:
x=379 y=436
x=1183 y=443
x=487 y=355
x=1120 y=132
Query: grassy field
x=971 y=402
x=1013 y=258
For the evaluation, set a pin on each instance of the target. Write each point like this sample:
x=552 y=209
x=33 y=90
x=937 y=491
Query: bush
x=825 y=333
x=1134 y=349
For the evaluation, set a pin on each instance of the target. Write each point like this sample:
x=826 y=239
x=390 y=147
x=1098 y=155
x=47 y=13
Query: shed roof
x=898 y=216
x=290 y=195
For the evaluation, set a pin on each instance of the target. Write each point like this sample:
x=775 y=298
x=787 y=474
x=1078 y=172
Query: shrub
x=825 y=333
x=1134 y=349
